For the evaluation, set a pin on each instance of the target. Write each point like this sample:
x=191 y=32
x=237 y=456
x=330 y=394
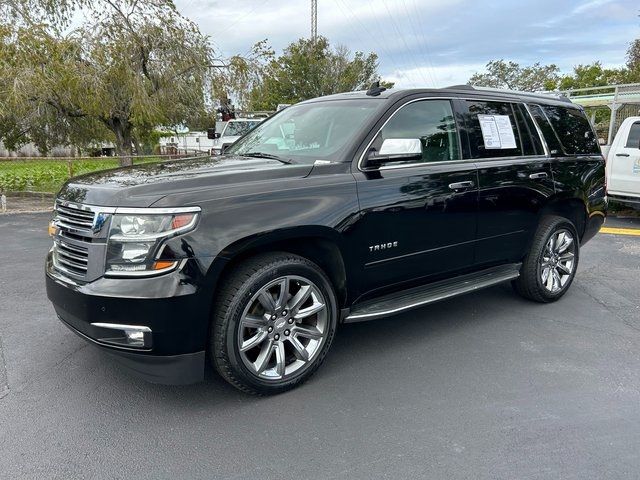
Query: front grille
x=79 y=245
x=70 y=258
x=74 y=217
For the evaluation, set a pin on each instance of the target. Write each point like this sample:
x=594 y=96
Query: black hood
x=143 y=185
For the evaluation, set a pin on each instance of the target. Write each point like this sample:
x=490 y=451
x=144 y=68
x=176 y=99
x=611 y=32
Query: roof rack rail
x=464 y=86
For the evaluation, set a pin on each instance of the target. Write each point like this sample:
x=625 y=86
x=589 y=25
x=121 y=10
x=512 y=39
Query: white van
x=623 y=164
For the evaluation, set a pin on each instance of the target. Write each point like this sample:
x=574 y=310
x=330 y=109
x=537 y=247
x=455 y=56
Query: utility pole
x=314 y=20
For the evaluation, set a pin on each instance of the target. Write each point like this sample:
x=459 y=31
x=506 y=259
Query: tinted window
x=531 y=143
x=572 y=129
x=487 y=144
x=432 y=122
x=634 y=136
x=545 y=127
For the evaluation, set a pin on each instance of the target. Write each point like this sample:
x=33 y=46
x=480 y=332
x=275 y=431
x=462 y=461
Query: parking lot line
x=621 y=231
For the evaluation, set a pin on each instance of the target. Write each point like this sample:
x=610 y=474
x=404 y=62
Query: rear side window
x=493 y=129
x=573 y=130
x=634 y=136
x=547 y=131
x=531 y=143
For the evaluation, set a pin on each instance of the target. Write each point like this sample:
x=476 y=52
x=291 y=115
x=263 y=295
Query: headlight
x=136 y=239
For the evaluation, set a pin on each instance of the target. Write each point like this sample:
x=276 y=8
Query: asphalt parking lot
x=482 y=386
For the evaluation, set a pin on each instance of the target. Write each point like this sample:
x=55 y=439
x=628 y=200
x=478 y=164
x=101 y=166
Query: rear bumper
x=170 y=314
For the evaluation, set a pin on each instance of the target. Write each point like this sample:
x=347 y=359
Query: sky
x=431 y=43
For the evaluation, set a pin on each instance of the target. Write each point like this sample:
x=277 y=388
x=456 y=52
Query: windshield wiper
x=269 y=156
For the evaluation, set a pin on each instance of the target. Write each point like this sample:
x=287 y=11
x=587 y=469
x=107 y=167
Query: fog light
x=135 y=338
x=132 y=336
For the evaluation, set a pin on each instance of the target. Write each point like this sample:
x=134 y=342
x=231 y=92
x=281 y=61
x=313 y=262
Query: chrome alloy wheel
x=283 y=328
x=557 y=262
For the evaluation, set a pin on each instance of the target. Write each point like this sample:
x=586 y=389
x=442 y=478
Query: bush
x=21 y=175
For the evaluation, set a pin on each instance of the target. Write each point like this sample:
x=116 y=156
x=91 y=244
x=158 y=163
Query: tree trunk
x=122 y=130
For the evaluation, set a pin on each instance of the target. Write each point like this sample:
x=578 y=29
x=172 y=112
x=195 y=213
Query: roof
x=457 y=90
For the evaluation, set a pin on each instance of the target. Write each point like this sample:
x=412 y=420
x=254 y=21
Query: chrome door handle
x=622 y=154
x=539 y=175
x=461 y=185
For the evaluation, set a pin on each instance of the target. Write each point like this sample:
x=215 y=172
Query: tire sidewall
x=244 y=295
x=560 y=224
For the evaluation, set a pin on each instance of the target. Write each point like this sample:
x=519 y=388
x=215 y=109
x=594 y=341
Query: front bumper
x=175 y=317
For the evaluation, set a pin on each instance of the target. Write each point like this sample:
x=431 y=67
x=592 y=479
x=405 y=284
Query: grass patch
x=48 y=175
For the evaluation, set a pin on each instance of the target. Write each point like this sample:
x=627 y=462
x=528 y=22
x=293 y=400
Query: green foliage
x=306 y=69
x=512 y=76
x=594 y=75
x=49 y=175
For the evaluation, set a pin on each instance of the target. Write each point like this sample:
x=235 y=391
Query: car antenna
x=375 y=89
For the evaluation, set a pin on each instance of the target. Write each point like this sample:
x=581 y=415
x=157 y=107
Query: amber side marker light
x=52 y=229
x=181 y=220
x=163 y=264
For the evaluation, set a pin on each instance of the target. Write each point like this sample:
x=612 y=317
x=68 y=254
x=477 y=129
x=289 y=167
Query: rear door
x=624 y=164
x=514 y=175
x=418 y=219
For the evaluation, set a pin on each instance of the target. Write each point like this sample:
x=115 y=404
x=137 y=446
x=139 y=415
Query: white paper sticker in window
x=497 y=131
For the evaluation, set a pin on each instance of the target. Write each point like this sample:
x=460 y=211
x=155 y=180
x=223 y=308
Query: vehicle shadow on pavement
x=356 y=350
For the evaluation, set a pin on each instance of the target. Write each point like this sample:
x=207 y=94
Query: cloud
x=432 y=42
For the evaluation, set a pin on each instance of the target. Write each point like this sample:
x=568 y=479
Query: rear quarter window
x=572 y=129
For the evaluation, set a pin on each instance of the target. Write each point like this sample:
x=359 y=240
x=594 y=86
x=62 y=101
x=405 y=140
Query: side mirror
x=212 y=134
x=396 y=150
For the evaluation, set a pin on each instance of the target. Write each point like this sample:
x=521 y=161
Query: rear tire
x=550 y=266
x=274 y=322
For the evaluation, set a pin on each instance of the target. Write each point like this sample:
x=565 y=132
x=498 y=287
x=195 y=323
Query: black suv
x=339 y=209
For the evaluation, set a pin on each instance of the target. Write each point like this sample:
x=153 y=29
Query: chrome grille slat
x=75 y=266
x=73 y=257
x=74 y=217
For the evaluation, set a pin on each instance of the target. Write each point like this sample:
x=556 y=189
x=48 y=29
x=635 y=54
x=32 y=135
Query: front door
x=624 y=177
x=418 y=218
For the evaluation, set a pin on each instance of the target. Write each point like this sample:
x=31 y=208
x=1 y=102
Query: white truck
x=623 y=164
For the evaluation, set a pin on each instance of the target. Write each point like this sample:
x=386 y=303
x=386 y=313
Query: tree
x=510 y=75
x=135 y=65
x=309 y=69
x=593 y=75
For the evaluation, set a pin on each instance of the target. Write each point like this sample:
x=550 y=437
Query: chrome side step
x=423 y=295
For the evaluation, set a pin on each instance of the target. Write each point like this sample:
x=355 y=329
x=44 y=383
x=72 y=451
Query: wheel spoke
x=262 y=361
x=299 y=349
x=252 y=321
x=545 y=274
x=280 y=359
x=254 y=341
x=551 y=244
x=564 y=268
x=568 y=240
x=307 y=332
x=556 y=280
x=299 y=298
x=266 y=300
x=307 y=312
x=283 y=295
x=549 y=280
x=566 y=256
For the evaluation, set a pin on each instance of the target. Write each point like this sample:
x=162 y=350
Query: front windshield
x=237 y=129
x=309 y=131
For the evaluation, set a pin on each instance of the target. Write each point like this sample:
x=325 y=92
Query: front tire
x=274 y=322
x=550 y=266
